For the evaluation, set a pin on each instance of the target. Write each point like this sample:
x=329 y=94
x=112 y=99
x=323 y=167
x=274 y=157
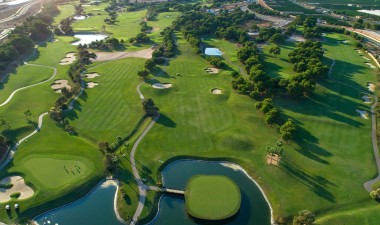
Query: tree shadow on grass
x=317 y=184
x=159 y=72
x=308 y=145
x=166 y=121
x=84 y=96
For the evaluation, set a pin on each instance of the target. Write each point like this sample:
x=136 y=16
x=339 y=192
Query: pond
x=373 y=12
x=213 y=51
x=88 y=38
x=97 y=208
x=254 y=209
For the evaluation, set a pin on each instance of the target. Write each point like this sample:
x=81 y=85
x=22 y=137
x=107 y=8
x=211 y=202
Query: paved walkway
x=367 y=185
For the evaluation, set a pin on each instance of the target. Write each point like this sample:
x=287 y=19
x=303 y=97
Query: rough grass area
x=212 y=197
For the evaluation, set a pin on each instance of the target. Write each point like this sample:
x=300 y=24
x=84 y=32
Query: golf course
x=180 y=144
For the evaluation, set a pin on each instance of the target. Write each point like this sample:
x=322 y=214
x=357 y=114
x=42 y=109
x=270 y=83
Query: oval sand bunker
x=216 y=91
x=161 y=86
x=68 y=59
x=59 y=84
x=91 y=75
x=91 y=84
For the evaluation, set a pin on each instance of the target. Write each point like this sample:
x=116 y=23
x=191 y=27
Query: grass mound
x=15 y=195
x=212 y=197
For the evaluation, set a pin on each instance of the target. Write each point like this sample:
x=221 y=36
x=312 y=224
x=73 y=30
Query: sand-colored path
x=107 y=56
x=18 y=186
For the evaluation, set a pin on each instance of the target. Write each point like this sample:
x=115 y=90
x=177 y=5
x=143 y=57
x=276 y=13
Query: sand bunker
x=371 y=66
x=212 y=70
x=273 y=159
x=161 y=86
x=359 y=51
x=68 y=59
x=91 y=75
x=216 y=91
x=345 y=41
x=105 y=56
x=297 y=38
x=366 y=99
x=365 y=58
x=91 y=84
x=59 y=84
x=18 y=186
x=371 y=86
x=363 y=114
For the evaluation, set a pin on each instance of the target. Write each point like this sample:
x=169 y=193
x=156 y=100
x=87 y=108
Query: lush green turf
x=212 y=197
x=160 y=22
x=112 y=108
x=65 y=11
x=57 y=172
x=23 y=76
x=331 y=135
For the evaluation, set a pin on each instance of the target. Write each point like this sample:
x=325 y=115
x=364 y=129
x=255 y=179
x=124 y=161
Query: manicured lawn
x=56 y=172
x=65 y=11
x=212 y=197
x=331 y=135
x=113 y=107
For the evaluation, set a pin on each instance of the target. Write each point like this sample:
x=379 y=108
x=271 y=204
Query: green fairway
x=54 y=173
x=212 y=197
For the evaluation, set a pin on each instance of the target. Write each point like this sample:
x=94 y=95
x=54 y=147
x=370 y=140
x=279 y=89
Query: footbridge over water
x=167 y=190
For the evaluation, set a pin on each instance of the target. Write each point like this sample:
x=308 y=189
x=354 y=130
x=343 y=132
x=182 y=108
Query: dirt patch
x=366 y=99
x=59 y=84
x=212 y=70
x=18 y=186
x=91 y=84
x=91 y=75
x=371 y=65
x=363 y=114
x=216 y=91
x=68 y=59
x=371 y=86
x=106 y=56
x=296 y=38
x=273 y=159
x=155 y=29
x=161 y=86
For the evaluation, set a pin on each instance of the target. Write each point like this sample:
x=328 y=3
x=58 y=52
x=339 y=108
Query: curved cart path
x=367 y=185
x=40 y=118
x=32 y=85
x=14 y=148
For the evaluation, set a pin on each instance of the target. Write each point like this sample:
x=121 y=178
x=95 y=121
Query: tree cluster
x=107 y=44
x=215 y=61
x=140 y=38
x=65 y=27
x=225 y=25
x=258 y=8
x=306 y=59
x=271 y=113
x=271 y=34
x=20 y=40
x=310 y=28
x=167 y=47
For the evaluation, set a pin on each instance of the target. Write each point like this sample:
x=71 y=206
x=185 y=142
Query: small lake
x=88 y=38
x=213 y=51
x=372 y=12
x=97 y=208
x=254 y=208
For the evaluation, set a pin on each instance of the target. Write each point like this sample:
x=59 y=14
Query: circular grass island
x=212 y=197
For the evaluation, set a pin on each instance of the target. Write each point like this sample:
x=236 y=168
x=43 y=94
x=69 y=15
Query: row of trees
x=57 y=112
x=65 y=27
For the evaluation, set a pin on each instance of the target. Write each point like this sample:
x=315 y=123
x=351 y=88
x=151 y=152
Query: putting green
x=54 y=173
x=212 y=197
